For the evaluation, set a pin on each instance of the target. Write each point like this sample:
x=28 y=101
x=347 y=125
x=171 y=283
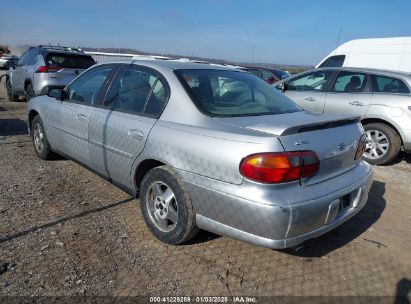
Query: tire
x=10 y=95
x=383 y=144
x=169 y=215
x=29 y=92
x=40 y=142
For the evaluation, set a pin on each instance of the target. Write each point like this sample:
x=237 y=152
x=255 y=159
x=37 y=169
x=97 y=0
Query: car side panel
x=393 y=108
x=347 y=103
x=212 y=153
x=308 y=100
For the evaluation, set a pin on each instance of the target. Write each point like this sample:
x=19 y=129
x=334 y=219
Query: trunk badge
x=341 y=147
x=301 y=142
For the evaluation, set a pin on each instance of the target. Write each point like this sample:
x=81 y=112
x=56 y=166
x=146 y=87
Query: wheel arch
x=379 y=120
x=32 y=114
x=5 y=76
x=27 y=81
x=142 y=169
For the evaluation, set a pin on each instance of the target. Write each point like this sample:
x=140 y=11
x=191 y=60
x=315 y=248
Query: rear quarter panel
x=213 y=153
x=392 y=108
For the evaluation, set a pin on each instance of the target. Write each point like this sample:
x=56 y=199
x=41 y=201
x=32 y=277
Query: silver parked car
x=381 y=98
x=208 y=147
x=45 y=67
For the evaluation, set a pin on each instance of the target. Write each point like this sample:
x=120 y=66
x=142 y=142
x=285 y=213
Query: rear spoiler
x=321 y=125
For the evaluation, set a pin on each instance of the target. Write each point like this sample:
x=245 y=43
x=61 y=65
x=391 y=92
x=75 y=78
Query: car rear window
x=385 y=84
x=233 y=93
x=70 y=61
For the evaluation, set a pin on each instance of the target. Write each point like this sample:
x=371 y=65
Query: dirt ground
x=66 y=232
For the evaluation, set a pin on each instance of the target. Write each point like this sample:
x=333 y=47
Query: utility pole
x=253 y=50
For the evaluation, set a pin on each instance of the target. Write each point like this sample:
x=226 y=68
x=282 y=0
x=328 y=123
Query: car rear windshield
x=70 y=61
x=233 y=93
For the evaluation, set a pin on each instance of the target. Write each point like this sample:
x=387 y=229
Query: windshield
x=234 y=93
x=70 y=61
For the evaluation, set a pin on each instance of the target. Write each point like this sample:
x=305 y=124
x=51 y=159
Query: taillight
x=360 y=147
x=48 y=69
x=279 y=167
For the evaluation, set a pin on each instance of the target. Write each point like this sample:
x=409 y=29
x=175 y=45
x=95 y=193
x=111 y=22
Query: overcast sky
x=285 y=32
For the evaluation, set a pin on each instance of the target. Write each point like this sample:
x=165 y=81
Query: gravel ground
x=66 y=232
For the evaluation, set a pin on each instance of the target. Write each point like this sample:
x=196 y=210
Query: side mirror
x=57 y=93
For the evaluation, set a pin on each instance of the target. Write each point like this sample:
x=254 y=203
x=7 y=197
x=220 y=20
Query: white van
x=377 y=53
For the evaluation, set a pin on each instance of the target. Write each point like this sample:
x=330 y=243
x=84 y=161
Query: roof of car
x=262 y=68
x=58 y=49
x=175 y=65
x=65 y=52
x=368 y=70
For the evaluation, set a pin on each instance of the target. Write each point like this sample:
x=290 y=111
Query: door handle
x=136 y=134
x=81 y=117
x=310 y=99
x=356 y=103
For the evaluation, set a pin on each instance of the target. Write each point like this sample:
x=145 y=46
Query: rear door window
x=350 y=82
x=30 y=58
x=70 y=61
x=385 y=84
x=314 y=81
x=137 y=91
x=333 y=62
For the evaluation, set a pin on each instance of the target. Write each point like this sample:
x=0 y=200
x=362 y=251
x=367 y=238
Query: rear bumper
x=278 y=216
x=42 y=82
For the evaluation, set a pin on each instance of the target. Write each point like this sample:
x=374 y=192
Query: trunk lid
x=333 y=138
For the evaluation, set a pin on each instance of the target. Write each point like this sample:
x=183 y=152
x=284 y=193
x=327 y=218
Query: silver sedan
x=381 y=98
x=208 y=147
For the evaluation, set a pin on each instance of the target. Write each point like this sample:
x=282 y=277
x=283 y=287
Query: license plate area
x=345 y=202
x=342 y=205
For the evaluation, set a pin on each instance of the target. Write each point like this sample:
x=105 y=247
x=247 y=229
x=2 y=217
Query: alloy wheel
x=162 y=206
x=377 y=144
x=38 y=136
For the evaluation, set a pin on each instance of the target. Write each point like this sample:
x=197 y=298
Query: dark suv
x=44 y=67
x=270 y=75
